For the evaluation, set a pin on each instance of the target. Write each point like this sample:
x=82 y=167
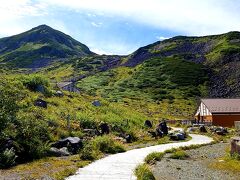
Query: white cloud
x=100 y=51
x=110 y=48
x=161 y=38
x=95 y=24
x=193 y=17
x=12 y=11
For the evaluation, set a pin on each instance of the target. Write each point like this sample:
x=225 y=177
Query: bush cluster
x=23 y=132
x=99 y=145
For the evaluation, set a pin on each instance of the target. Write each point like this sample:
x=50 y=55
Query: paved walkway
x=121 y=166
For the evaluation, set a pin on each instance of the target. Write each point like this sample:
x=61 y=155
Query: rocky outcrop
x=235 y=146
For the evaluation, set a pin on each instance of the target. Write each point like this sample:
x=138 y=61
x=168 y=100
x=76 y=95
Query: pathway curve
x=121 y=166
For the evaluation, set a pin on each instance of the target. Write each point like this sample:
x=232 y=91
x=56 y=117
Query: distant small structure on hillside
x=219 y=112
x=68 y=86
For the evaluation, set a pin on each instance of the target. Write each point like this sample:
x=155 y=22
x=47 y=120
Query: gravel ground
x=196 y=166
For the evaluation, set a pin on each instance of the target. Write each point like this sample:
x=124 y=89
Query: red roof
x=222 y=105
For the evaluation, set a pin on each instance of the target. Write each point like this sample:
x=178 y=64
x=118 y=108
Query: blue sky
x=121 y=26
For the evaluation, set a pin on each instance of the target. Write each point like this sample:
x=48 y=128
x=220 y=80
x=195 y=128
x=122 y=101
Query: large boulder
x=180 y=136
x=177 y=135
x=73 y=144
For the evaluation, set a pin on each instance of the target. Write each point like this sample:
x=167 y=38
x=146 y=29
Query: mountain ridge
x=41 y=43
x=219 y=54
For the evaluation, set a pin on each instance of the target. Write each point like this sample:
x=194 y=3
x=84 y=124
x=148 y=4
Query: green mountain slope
x=153 y=86
x=220 y=54
x=174 y=72
x=39 y=46
x=168 y=77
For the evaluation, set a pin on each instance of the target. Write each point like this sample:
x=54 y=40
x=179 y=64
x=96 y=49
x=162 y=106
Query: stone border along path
x=121 y=166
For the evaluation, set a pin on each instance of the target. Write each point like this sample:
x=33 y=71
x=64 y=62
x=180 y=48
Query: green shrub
x=143 y=172
x=106 y=144
x=33 y=82
x=7 y=158
x=85 y=121
x=153 y=157
x=99 y=145
x=194 y=146
x=164 y=140
x=9 y=97
x=89 y=153
x=170 y=150
x=235 y=156
x=32 y=137
x=179 y=154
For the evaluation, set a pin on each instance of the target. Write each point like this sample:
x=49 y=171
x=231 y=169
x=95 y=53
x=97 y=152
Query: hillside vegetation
x=32 y=129
x=161 y=82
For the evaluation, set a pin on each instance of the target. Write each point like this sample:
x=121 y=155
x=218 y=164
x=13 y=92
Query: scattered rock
x=148 y=123
x=177 y=135
x=96 y=103
x=59 y=152
x=73 y=144
x=104 y=128
x=64 y=150
x=202 y=129
x=191 y=129
x=180 y=136
x=153 y=134
x=129 y=138
x=59 y=94
x=159 y=132
x=235 y=145
x=40 y=103
x=221 y=131
x=91 y=132
x=40 y=88
x=163 y=127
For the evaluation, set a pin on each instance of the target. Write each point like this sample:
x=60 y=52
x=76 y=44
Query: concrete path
x=121 y=166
